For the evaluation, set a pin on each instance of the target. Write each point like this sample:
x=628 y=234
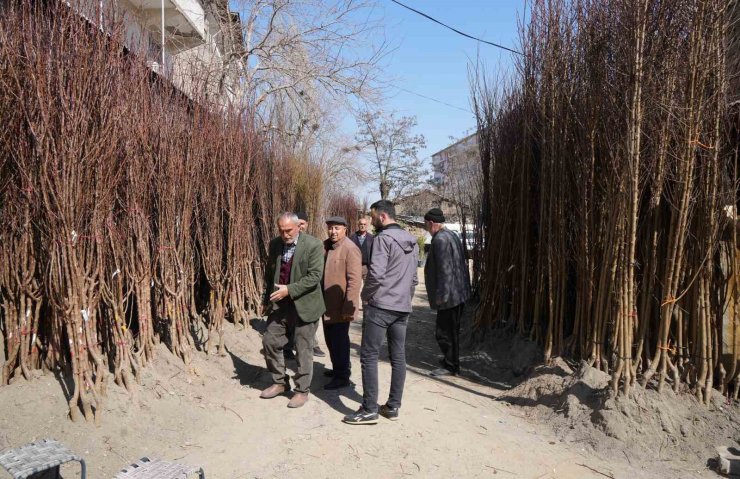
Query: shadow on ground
x=497 y=364
x=249 y=375
x=257 y=377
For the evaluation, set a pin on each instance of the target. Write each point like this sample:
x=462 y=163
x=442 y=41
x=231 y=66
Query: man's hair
x=287 y=215
x=302 y=216
x=384 y=206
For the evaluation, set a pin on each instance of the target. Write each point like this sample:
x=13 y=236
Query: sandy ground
x=209 y=413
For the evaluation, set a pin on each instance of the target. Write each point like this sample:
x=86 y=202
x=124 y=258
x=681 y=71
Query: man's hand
x=282 y=292
x=263 y=310
x=348 y=317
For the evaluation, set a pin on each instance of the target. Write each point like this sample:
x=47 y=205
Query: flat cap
x=336 y=220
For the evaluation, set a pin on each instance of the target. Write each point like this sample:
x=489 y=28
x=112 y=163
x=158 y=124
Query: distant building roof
x=427 y=192
x=455 y=144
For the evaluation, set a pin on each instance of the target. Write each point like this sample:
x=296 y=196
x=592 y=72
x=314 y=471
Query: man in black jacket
x=364 y=240
x=448 y=287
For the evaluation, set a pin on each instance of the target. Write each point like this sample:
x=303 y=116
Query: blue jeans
x=377 y=324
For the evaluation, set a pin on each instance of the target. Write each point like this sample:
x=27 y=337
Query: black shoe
x=288 y=354
x=361 y=417
x=389 y=412
x=337 y=383
x=318 y=352
x=441 y=372
x=328 y=373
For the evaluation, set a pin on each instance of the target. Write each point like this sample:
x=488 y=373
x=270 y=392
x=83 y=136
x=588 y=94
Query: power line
x=431 y=99
x=455 y=30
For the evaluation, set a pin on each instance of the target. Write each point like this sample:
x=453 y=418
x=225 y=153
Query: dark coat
x=446 y=271
x=306 y=272
x=365 y=248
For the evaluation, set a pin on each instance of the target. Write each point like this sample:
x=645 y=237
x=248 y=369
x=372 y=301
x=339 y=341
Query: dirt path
x=209 y=413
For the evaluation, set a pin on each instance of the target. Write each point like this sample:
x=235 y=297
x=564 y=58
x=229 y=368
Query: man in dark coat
x=293 y=296
x=448 y=287
x=364 y=240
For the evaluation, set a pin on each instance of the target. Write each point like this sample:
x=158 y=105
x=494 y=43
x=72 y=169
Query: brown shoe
x=273 y=391
x=298 y=400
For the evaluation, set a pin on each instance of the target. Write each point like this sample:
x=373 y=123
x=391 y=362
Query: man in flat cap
x=341 y=284
x=448 y=287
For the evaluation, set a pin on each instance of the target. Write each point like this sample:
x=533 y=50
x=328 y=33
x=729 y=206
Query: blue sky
x=433 y=61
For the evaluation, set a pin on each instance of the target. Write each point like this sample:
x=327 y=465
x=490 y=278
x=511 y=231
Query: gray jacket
x=446 y=271
x=391 y=274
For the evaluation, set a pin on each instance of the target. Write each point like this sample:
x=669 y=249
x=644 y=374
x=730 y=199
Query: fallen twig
x=595 y=470
x=357 y=456
x=229 y=409
x=460 y=400
x=187 y=444
x=496 y=469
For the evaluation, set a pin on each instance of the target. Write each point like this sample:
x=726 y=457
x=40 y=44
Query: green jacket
x=306 y=272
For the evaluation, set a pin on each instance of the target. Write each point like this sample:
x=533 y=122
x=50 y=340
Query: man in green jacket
x=293 y=296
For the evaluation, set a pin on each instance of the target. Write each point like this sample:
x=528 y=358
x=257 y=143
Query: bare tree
x=300 y=63
x=341 y=165
x=462 y=183
x=294 y=47
x=394 y=163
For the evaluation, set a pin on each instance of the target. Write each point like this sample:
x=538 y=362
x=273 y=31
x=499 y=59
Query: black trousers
x=337 y=340
x=448 y=335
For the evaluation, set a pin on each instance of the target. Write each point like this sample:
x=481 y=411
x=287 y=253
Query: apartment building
x=445 y=160
x=197 y=44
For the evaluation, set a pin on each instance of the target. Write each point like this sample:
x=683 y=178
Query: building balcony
x=184 y=22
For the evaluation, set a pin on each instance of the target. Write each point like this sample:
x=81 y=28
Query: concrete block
x=728 y=461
